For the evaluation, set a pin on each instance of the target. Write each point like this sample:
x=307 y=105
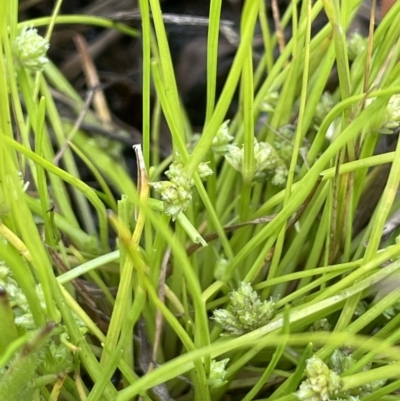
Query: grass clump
x=276 y=250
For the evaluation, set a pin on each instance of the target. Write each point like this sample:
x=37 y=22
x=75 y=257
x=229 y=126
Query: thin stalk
x=212 y=56
x=146 y=48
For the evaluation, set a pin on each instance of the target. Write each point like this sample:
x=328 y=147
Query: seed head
x=30 y=49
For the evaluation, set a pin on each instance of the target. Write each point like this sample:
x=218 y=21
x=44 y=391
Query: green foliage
x=272 y=253
x=17 y=380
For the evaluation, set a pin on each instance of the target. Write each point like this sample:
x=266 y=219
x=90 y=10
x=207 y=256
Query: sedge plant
x=230 y=270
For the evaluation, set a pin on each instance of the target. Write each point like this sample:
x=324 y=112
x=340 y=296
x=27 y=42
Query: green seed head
x=321 y=383
x=217 y=373
x=356 y=45
x=204 y=171
x=245 y=312
x=30 y=49
x=222 y=139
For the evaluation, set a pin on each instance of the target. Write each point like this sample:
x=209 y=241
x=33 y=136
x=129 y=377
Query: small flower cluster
x=324 y=106
x=283 y=145
x=283 y=142
x=245 y=312
x=320 y=325
x=342 y=361
x=389 y=120
x=356 y=45
x=269 y=102
x=30 y=49
x=220 y=268
x=268 y=163
x=222 y=139
x=177 y=192
x=361 y=308
x=217 y=373
x=271 y=161
x=321 y=383
x=385 y=121
x=392 y=311
x=392 y=118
